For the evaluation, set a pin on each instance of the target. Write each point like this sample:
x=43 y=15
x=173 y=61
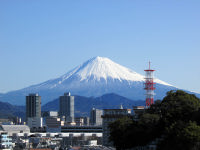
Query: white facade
x=53 y=113
x=14 y=129
x=95 y=117
x=92 y=143
x=35 y=122
x=5 y=141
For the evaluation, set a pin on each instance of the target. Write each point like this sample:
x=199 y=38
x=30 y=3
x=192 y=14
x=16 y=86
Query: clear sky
x=44 y=39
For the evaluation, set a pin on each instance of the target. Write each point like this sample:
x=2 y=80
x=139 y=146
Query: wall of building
x=67 y=107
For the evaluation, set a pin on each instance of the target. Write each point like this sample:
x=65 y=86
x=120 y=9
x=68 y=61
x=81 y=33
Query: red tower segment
x=149 y=86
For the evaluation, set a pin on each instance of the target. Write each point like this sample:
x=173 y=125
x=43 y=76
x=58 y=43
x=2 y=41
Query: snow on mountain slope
x=99 y=68
x=95 y=77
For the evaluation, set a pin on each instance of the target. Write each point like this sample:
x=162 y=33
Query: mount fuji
x=93 y=78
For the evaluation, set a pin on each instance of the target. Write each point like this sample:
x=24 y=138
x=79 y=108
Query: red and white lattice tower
x=149 y=86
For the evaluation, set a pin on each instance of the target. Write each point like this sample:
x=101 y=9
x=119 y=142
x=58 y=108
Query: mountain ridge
x=95 y=77
x=110 y=100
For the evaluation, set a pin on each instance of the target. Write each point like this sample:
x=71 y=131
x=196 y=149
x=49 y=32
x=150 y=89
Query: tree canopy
x=174 y=120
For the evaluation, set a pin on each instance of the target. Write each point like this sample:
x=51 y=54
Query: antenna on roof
x=121 y=107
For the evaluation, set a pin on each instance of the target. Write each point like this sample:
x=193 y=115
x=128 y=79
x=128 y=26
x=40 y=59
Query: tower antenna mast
x=149 y=86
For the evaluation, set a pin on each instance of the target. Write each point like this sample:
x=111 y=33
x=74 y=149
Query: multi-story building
x=109 y=116
x=86 y=121
x=79 y=121
x=47 y=114
x=138 y=111
x=81 y=129
x=33 y=106
x=5 y=141
x=33 y=111
x=35 y=122
x=95 y=117
x=54 y=124
x=67 y=107
x=14 y=129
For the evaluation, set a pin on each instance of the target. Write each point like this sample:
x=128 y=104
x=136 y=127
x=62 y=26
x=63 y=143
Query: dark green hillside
x=8 y=111
x=83 y=105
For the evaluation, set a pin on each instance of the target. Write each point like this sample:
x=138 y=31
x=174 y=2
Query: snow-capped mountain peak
x=99 y=68
x=94 y=77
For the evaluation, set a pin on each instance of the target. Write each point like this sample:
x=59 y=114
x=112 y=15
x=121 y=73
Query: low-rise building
x=14 y=129
x=5 y=141
x=79 y=121
x=138 y=111
x=35 y=122
x=81 y=129
x=54 y=124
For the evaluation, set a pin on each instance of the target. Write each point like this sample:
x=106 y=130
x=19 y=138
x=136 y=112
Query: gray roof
x=23 y=128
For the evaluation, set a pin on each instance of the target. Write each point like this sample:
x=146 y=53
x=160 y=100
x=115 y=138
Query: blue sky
x=41 y=40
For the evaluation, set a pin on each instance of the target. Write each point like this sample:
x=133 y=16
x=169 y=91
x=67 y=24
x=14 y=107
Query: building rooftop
x=67 y=94
x=139 y=107
x=15 y=128
x=33 y=94
x=117 y=109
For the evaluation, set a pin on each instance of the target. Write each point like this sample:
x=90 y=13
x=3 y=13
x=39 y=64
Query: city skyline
x=42 y=40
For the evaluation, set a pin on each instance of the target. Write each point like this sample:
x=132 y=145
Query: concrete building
x=109 y=116
x=47 y=114
x=81 y=129
x=35 y=122
x=6 y=121
x=79 y=121
x=5 y=141
x=138 y=111
x=82 y=121
x=33 y=106
x=82 y=140
x=86 y=121
x=53 y=114
x=14 y=129
x=54 y=124
x=67 y=107
x=95 y=117
x=33 y=111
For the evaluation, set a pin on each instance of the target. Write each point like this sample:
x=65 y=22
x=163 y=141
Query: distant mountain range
x=83 y=105
x=9 y=111
x=93 y=78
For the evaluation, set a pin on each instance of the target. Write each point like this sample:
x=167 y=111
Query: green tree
x=178 y=110
x=120 y=133
x=179 y=105
x=181 y=136
x=175 y=119
x=155 y=108
x=127 y=133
